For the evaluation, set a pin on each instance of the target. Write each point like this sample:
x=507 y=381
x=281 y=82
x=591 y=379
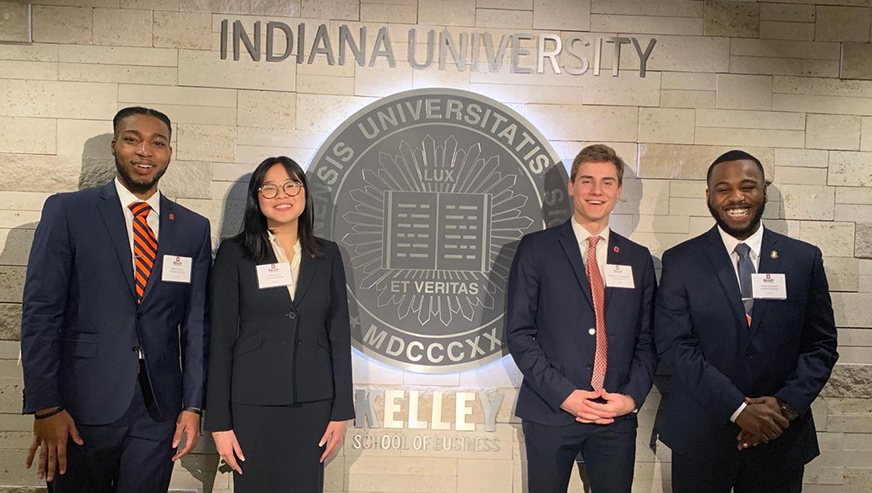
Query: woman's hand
x=228 y=448
x=332 y=437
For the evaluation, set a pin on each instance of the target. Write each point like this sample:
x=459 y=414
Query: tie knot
x=742 y=250
x=140 y=209
x=593 y=240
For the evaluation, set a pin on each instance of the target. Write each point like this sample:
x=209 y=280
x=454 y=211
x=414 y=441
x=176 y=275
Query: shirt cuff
x=737 y=412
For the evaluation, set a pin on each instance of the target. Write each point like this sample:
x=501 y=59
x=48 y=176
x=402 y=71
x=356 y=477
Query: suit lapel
x=573 y=254
x=614 y=256
x=307 y=272
x=768 y=264
x=113 y=218
x=720 y=259
x=166 y=236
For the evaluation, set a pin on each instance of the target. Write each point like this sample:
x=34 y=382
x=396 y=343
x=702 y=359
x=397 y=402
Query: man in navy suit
x=745 y=324
x=114 y=328
x=579 y=326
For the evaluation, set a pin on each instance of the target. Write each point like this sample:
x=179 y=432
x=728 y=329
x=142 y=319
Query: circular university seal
x=428 y=192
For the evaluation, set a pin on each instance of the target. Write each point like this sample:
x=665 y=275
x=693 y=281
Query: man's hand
x=332 y=437
x=579 y=404
x=50 y=437
x=616 y=404
x=761 y=421
x=228 y=448
x=189 y=424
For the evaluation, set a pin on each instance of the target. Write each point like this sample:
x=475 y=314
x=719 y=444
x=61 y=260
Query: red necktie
x=598 y=293
x=144 y=247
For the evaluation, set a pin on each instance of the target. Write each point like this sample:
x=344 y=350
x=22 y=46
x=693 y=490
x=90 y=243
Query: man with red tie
x=114 y=327
x=579 y=326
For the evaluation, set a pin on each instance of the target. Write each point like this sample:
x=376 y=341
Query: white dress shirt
x=295 y=263
x=755 y=242
x=126 y=198
x=602 y=247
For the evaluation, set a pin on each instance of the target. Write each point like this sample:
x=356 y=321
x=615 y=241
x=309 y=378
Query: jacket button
x=589 y=366
x=298 y=342
x=292 y=315
x=135 y=349
x=591 y=331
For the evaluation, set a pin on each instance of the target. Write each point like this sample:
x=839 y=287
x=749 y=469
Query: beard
x=131 y=184
x=739 y=233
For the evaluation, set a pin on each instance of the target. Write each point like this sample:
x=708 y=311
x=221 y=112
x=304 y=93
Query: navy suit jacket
x=716 y=360
x=80 y=317
x=549 y=313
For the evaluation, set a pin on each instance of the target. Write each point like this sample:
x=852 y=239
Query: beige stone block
x=855 y=337
x=381 y=80
x=688 y=162
x=654 y=8
x=733 y=19
x=205 y=115
x=687 y=99
x=285 y=8
x=807 y=202
x=768 y=48
x=641 y=24
x=29 y=52
x=84 y=138
x=431 y=379
x=188 y=30
x=498 y=4
x=568 y=15
x=852 y=309
x=447 y=13
x=863 y=242
x=88 y=72
x=748 y=137
x=856 y=61
x=177 y=96
x=267 y=109
x=331 y=9
x=822 y=104
x=14 y=22
x=658 y=242
x=22 y=201
x=511 y=93
x=18 y=219
x=56 y=173
x=850 y=169
x=118 y=55
x=842 y=23
x=64 y=25
x=367 y=371
x=854 y=89
x=666 y=126
x=649 y=197
x=28 y=135
x=797 y=31
x=833 y=132
x=628 y=89
x=386 y=12
x=401 y=466
x=687 y=188
x=834 y=240
x=866 y=134
x=853 y=212
x=79 y=3
x=325 y=84
x=484 y=476
x=789 y=12
x=585 y=122
x=657 y=224
x=14 y=69
x=324 y=112
x=842 y=275
x=787 y=175
x=683 y=54
x=206 y=143
x=801 y=158
x=853 y=195
x=50 y=99
x=744 y=92
x=504 y=18
x=206 y=69
x=122 y=27
x=187 y=179
x=256 y=154
x=764 y=120
x=689 y=81
x=689 y=206
x=503 y=375
x=784 y=66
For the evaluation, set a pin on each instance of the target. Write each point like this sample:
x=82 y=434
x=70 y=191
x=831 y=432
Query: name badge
x=176 y=269
x=274 y=275
x=619 y=276
x=769 y=286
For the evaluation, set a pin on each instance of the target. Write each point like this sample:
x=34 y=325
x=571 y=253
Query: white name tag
x=176 y=269
x=619 y=276
x=769 y=286
x=274 y=275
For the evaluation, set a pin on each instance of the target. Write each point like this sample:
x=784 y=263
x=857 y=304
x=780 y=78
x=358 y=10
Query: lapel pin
x=172 y=216
x=773 y=255
x=617 y=250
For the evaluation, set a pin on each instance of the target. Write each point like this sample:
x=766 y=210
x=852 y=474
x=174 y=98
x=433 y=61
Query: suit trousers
x=749 y=471
x=609 y=453
x=131 y=455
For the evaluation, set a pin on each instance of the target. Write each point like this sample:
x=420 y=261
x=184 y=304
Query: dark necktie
x=746 y=268
x=144 y=247
x=598 y=294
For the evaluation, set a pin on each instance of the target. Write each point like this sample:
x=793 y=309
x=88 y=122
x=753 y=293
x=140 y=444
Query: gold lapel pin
x=773 y=255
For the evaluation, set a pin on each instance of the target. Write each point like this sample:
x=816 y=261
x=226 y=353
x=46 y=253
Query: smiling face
x=142 y=153
x=736 y=197
x=282 y=210
x=595 y=192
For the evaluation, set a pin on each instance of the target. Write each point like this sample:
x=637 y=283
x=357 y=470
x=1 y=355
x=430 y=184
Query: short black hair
x=734 y=155
x=139 y=110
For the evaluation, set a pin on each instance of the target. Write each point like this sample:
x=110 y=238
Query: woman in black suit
x=279 y=386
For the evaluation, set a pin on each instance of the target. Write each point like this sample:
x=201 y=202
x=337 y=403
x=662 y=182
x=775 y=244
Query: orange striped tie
x=144 y=247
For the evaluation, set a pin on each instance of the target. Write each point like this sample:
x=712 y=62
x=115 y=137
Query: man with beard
x=114 y=328
x=744 y=323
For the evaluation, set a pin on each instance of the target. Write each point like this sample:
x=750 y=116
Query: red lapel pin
x=617 y=250
x=172 y=217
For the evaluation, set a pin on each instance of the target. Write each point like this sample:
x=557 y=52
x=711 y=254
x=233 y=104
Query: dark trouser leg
x=759 y=475
x=146 y=453
x=610 y=455
x=551 y=452
x=93 y=466
x=692 y=476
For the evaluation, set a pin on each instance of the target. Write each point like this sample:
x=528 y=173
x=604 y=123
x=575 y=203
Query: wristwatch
x=788 y=411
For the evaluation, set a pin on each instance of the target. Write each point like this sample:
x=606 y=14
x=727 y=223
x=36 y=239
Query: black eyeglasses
x=291 y=189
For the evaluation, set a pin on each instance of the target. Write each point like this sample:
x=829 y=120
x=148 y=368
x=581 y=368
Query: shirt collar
x=126 y=197
x=581 y=234
x=755 y=241
x=298 y=247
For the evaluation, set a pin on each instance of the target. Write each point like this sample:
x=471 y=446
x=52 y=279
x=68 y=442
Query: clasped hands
x=761 y=421
x=582 y=404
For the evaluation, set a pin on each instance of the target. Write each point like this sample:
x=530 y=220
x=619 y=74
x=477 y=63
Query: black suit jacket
x=268 y=350
x=549 y=313
x=716 y=360
x=80 y=319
